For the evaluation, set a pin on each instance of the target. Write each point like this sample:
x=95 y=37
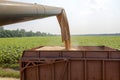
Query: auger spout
x=14 y=12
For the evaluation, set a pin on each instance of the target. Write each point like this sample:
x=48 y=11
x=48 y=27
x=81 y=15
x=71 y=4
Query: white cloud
x=98 y=5
x=94 y=6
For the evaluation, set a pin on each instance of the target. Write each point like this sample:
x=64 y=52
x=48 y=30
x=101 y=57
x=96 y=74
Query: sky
x=84 y=16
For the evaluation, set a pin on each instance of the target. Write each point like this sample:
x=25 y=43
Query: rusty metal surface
x=91 y=63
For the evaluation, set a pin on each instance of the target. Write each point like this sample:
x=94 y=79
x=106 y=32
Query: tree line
x=20 y=33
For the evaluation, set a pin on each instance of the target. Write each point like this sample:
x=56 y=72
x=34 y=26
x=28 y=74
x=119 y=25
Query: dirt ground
x=8 y=78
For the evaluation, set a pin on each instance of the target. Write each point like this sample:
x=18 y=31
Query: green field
x=11 y=48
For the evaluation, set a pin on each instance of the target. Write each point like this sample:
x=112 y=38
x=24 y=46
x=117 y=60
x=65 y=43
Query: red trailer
x=81 y=63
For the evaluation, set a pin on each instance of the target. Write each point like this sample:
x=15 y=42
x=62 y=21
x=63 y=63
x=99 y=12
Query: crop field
x=12 y=48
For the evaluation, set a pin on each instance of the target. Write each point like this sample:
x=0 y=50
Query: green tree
x=19 y=33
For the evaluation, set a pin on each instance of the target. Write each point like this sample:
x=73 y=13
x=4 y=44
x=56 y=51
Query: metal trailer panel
x=91 y=64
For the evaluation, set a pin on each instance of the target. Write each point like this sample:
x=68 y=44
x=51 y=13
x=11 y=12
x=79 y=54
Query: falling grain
x=65 y=32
